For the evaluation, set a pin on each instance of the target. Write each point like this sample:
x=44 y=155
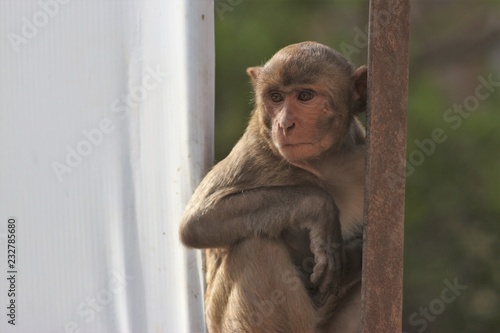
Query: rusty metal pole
x=382 y=284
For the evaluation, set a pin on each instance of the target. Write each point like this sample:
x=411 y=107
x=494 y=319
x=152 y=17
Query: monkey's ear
x=254 y=73
x=360 y=89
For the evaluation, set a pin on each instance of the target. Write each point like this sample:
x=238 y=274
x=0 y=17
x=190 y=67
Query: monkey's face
x=301 y=121
x=303 y=94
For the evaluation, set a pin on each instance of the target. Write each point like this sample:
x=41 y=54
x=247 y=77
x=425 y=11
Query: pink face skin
x=299 y=115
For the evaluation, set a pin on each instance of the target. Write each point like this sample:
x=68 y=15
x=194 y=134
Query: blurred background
x=452 y=224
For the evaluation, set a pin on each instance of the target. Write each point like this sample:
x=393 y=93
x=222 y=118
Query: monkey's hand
x=326 y=246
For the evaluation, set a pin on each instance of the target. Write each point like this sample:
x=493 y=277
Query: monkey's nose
x=288 y=129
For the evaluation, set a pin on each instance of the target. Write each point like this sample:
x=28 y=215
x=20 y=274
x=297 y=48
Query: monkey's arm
x=264 y=211
x=268 y=211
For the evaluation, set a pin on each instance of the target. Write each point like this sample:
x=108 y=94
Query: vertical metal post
x=385 y=166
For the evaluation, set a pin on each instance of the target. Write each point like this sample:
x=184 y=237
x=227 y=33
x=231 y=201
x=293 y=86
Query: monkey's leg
x=267 y=211
x=257 y=290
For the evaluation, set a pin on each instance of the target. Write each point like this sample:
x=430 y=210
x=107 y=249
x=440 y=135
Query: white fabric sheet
x=105 y=130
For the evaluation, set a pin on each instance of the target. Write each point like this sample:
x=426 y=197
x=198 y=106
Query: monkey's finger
x=325 y=289
x=320 y=256
x=320 y=259
x=329 y=279
x=321 y=263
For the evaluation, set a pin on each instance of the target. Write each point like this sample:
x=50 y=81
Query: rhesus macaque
x=281 y=215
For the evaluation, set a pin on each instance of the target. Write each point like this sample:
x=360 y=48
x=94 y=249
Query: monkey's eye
x=276 y=97
x=305 y=95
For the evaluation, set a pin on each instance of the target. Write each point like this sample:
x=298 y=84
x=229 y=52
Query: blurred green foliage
x=452 y=196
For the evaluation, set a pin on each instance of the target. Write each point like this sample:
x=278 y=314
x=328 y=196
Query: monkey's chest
x=350 y=202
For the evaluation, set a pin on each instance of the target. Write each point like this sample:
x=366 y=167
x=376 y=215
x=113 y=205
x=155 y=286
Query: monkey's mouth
x=292 y=145
x=297 y=150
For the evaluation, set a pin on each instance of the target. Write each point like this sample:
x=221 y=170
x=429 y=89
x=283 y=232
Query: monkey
x=280 y=218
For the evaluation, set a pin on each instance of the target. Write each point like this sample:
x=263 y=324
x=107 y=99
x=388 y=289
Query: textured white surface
x=105 y=130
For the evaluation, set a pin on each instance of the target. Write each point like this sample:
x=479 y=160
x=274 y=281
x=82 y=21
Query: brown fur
x=274 y=212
